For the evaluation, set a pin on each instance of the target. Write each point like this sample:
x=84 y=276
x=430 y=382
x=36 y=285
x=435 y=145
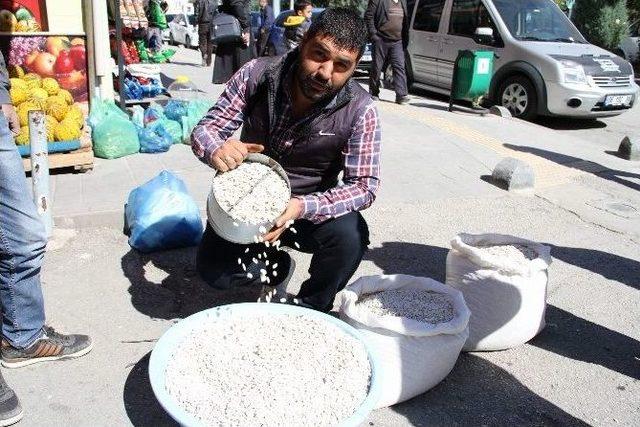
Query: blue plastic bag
x=132 y=89
x=172 y=127
x=174 y=110
x=154 y=139
x=153 y=113
x=162 y=215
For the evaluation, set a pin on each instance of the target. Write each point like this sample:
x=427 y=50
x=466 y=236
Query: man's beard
x=314 y=89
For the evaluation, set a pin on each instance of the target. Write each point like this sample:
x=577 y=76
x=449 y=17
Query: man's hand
x=245 y=39
x=12 y=118
x=232 y=153
x=293 y=212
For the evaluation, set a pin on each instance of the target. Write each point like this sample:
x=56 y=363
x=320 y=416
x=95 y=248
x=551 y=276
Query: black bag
x=225 y=29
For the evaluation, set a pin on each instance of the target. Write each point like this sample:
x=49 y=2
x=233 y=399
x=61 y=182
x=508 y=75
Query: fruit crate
x=77 y=154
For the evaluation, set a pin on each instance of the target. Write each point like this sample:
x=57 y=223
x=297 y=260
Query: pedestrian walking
x=311 y=116
x=388 y=26
x=296 y=25
x=157 y=22
x=266 y=21
x=231 y=56
x=25 y=337
x=204 y=13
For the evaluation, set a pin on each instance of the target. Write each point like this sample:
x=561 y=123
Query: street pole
x=40 y=167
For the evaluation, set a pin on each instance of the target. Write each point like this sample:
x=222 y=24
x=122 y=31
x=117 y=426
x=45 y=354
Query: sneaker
x=50 y=346
x=403 y=100
x=10 y=409
x=277 y=293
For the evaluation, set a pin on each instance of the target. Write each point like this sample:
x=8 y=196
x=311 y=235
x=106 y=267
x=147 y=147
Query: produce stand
x=49 y=72
x=120 y=25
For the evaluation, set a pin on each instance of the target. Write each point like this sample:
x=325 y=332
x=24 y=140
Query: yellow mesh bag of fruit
x=66 y=95
x=18 y=95
x=51 y=124
x=75 y=114
x=67 y=130
x=23 y=111
x=57 y=107
x=18 y=83
x=33 y=80
x=23 y=137
x=51 y=86
x=38 y=96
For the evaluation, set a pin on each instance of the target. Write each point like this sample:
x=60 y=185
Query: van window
x=469 y=15
x=428 y=15
x=537 y=20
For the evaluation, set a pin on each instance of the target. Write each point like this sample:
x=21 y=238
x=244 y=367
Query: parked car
x=276 y=45
x=543 y=65
x=184 y=30
x=629 y=47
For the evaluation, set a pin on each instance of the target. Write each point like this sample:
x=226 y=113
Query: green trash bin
x=472 y=75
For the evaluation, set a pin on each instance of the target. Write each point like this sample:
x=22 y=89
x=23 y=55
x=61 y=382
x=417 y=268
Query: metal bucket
x=231 y=229
x=171 y=339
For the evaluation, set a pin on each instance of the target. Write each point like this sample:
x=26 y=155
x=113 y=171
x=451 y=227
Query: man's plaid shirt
x=361 y=173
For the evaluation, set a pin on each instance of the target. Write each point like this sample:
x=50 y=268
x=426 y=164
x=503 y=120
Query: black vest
x=316 y=158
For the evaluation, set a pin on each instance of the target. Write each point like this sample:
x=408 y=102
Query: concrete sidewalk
x=583 y=369
x=451 y=151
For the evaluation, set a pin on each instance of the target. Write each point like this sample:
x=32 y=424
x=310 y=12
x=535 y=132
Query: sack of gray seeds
x=504 y=282
x=416 y=325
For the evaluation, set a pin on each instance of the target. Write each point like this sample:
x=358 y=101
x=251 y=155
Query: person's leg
x=218 y=265
x=338 y=246
x=396 y=57
x=209 y=45
x=22 y=245
x=379 y=57
x=26 y=340
x=202 y=41
x=155 y=39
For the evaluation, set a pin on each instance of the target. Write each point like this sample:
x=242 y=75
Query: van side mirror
x=484 y=35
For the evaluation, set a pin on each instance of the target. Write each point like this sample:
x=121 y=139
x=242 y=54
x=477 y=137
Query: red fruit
x=64 y=63
x=79 y=57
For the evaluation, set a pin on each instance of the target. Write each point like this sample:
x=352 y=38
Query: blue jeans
x=22 y=244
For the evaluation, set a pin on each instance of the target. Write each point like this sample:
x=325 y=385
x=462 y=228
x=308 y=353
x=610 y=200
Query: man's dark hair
x=345 y=27
x=300 y=5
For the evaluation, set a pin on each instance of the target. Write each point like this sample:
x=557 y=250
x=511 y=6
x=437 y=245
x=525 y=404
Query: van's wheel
x=519 y=96
x=187 y=42
x=172 y=41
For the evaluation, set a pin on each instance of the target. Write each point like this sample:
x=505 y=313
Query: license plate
x=617 y=100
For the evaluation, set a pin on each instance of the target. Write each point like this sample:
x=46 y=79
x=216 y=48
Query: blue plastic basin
x=167 y=344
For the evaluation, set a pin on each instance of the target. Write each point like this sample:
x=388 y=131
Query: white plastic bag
x=507 y=299
x=415 y=356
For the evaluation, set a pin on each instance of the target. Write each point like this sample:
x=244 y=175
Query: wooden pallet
x=81 y=160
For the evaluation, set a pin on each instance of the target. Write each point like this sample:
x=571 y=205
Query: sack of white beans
x=416 y=325
x=504 y=282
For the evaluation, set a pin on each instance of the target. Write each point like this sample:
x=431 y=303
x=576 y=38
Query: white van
x=543 y=65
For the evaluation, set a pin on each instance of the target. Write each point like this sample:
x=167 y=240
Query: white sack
x=507 y=299
x=415 y=356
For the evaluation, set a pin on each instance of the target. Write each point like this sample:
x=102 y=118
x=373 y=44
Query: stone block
x=500 y=111
x=513 y=175
x=629 y=148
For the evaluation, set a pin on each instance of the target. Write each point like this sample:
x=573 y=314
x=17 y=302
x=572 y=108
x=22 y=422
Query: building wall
x=65 y=16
